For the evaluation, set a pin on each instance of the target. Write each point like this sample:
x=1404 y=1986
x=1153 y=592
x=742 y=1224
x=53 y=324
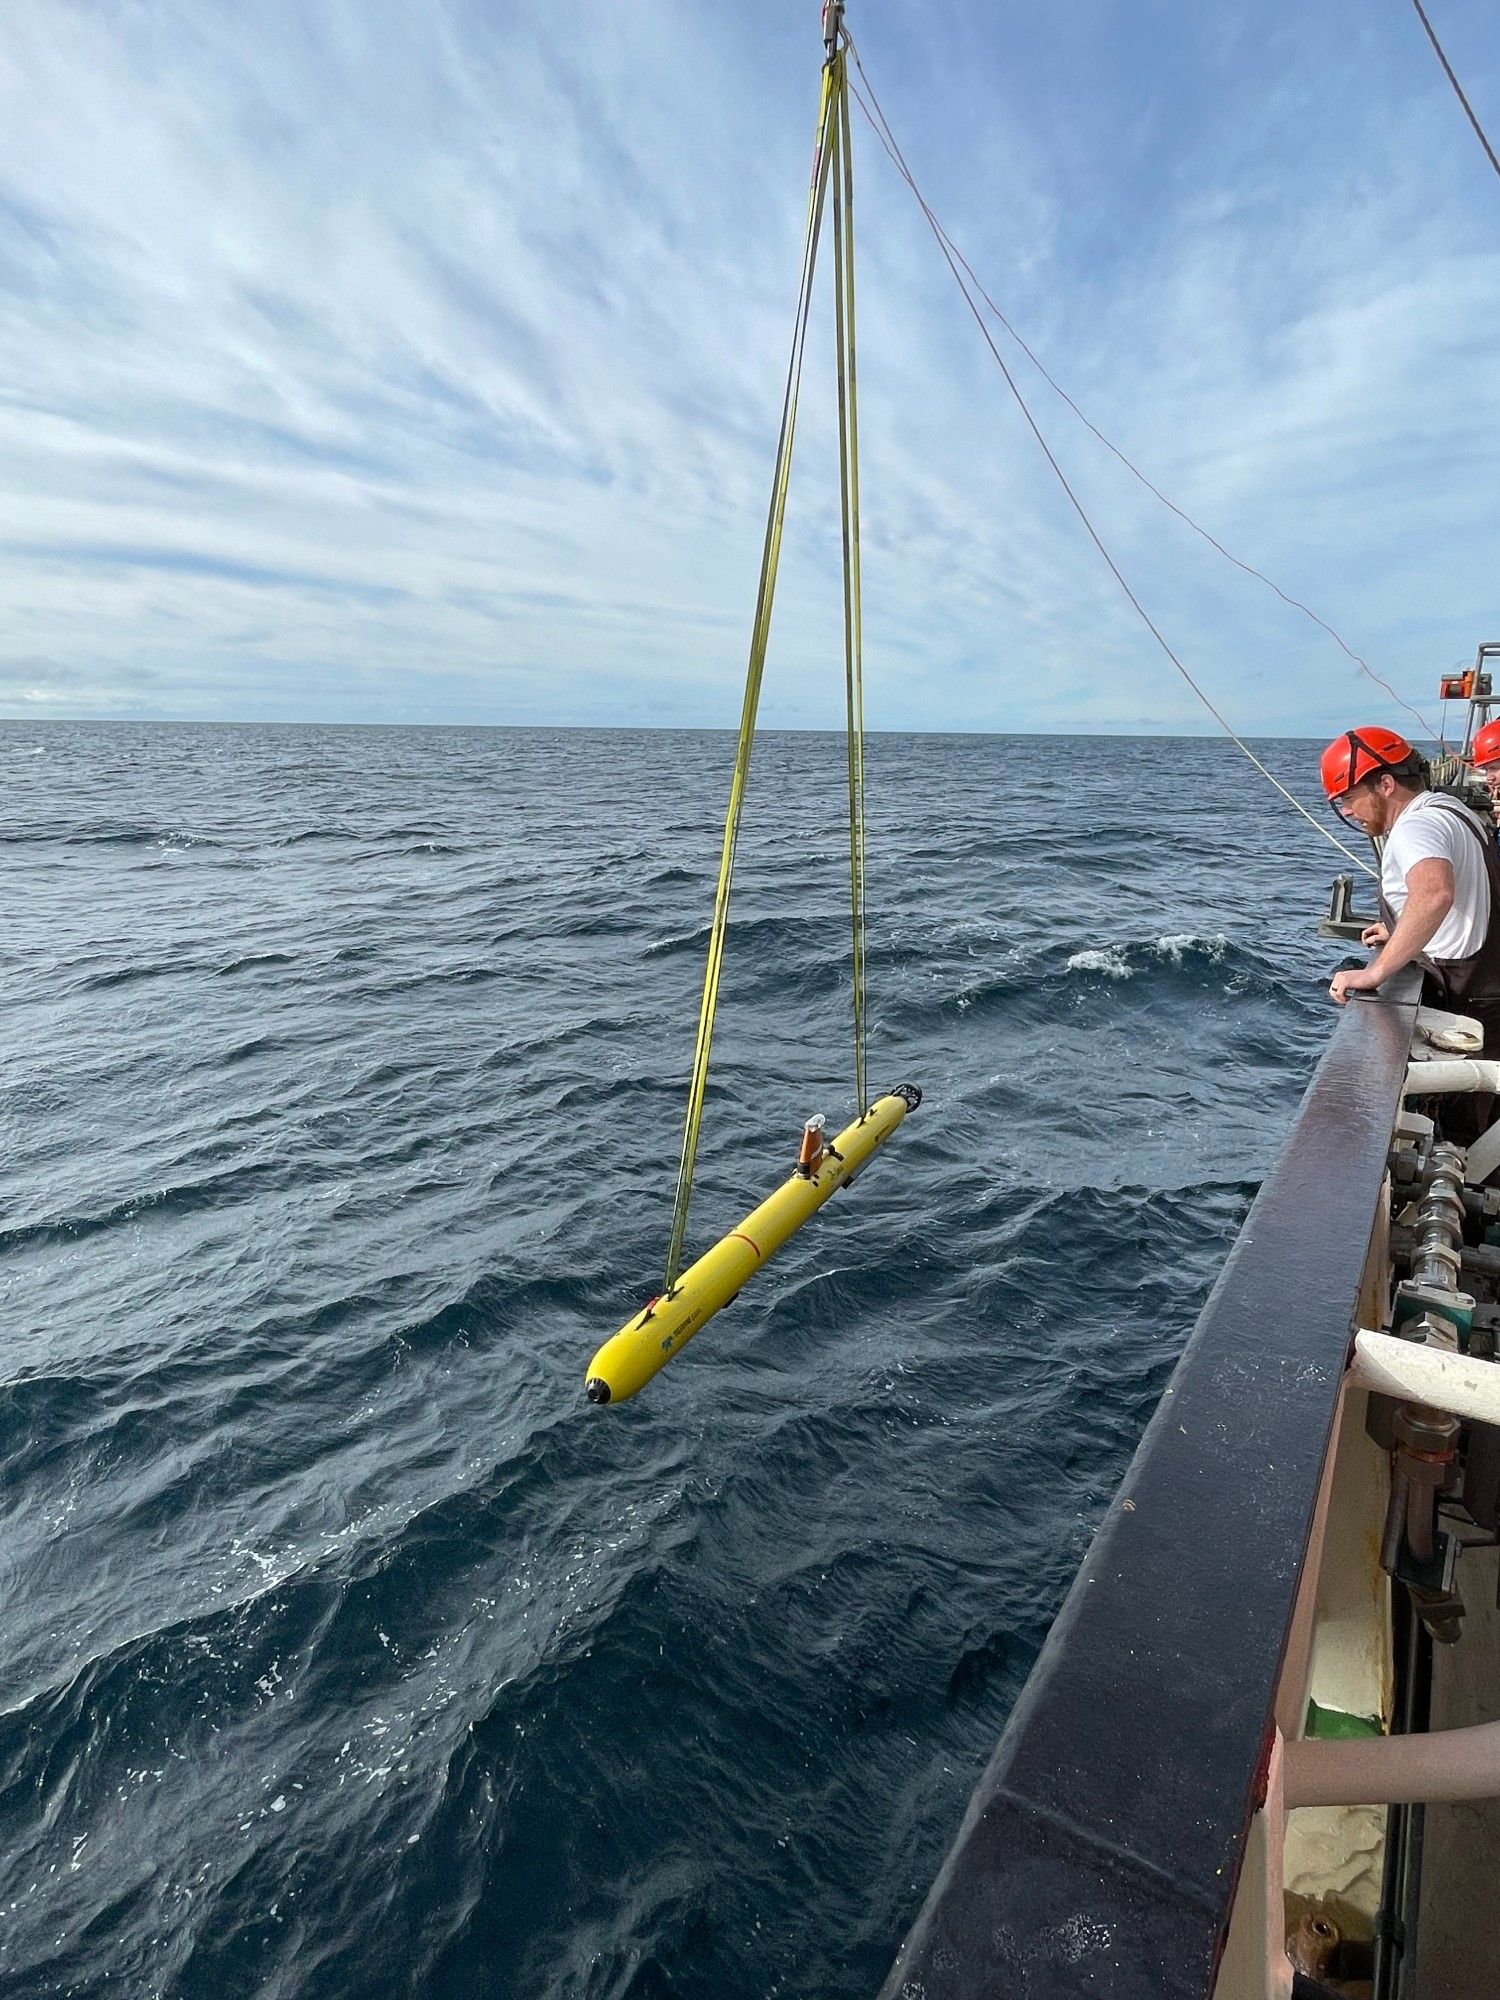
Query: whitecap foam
x=1110 y=962
x=1177 y=947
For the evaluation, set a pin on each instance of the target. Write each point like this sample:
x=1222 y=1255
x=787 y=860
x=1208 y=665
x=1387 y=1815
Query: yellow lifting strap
x=831 y=168
x=854 y=696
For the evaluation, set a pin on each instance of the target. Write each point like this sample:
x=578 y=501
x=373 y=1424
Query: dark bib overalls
x=1468 y=986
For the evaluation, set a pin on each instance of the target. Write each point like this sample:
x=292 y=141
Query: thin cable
x=1078 y=508
x=1294 y=603
x=1457 y=86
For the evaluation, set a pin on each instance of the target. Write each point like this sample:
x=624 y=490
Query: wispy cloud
x=369 y=361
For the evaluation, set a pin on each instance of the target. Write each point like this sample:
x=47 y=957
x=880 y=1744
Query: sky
x=377 y=362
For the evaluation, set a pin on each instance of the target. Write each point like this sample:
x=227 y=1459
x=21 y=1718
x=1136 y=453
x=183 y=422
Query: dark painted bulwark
x=1100 y=1851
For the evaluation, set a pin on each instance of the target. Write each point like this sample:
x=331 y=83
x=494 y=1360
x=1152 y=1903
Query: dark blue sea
x=345 y=1650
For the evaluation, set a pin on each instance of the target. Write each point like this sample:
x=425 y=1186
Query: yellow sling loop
x=831 y=166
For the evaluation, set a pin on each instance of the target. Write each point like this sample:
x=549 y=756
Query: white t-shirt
x=1427 y=829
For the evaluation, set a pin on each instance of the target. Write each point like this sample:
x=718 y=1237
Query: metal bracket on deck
x=1343 y=920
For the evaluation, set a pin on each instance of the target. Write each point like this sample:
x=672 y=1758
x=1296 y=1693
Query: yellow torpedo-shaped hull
x=626 y=1363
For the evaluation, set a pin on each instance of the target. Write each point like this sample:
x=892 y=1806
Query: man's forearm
x=1415 y=929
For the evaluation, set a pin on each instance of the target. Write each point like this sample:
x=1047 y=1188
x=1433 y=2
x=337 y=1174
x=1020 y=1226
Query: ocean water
x=344 y=1648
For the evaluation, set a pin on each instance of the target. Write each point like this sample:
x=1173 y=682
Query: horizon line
x=651 y=728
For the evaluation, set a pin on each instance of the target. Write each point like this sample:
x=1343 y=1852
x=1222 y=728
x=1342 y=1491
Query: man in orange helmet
x=1439 y=877
x=1484 y=756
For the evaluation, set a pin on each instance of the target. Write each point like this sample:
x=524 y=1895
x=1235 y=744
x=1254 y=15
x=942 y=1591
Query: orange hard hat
x=1359 y=754
x=1485 y=749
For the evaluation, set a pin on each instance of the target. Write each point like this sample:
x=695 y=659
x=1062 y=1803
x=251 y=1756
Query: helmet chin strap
x=1384 y=770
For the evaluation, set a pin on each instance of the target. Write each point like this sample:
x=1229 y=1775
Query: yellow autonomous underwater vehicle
x=666 y=1324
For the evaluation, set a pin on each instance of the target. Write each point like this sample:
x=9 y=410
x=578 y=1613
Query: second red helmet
x=1485 y=749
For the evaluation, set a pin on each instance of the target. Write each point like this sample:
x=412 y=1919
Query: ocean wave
x=253 y=961
x=791 y=936
x=1110 y=961
x=254 y=1046
x=1123 y=961
x=1031 y=984
x=178 y=967
x=109 y=834
x=132 y=975
x=242 y=1182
